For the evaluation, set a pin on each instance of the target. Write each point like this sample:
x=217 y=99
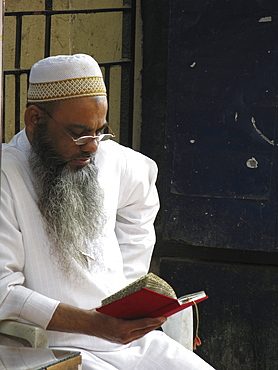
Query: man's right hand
x=122 y=331
x=90 y=322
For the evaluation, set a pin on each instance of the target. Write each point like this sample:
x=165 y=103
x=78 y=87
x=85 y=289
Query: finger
x=137 y=334
x=148 y=322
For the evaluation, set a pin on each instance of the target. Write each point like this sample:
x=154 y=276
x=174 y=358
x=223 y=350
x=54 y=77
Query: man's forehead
x=86 y=113
x=82 y=104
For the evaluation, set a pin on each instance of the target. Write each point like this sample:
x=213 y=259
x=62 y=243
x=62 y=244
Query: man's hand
x=122 y=331
x=75 y=320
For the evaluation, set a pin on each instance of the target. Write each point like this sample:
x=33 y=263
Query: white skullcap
x=64 y=77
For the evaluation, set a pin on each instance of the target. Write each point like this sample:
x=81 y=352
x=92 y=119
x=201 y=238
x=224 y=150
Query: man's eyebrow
x=103 y=126
x=87 y=128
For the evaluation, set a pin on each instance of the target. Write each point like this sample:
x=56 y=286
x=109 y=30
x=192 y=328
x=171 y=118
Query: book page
x=149 y=281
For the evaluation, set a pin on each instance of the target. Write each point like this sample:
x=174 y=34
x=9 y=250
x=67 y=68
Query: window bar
x=17 y=67
x=48 y=6
x=127 y=84
x=4 y=109
x=107 y=72
x=18 y=41
x=49 y=10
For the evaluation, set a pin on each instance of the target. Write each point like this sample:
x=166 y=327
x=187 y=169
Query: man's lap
x=155 y=351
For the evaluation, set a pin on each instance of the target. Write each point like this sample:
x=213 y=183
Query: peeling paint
x=252 y=163
x=193 y=65
x=265 y=19
x=269 y=141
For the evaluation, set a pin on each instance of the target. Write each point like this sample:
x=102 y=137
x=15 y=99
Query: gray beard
x=70 y=203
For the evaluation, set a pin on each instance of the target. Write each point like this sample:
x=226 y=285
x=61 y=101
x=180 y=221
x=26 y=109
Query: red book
x=145 y=302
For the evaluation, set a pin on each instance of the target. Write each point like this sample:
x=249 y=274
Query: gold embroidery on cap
x=64 y=89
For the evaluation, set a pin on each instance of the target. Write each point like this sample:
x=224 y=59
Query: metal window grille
x=126 y=63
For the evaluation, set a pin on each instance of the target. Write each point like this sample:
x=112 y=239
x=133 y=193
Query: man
x=77 y=218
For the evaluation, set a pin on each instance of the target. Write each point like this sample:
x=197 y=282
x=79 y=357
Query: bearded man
x=77 y=219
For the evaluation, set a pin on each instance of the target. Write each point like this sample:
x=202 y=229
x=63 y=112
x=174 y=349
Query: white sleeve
x=16 y=301
x=138 y=206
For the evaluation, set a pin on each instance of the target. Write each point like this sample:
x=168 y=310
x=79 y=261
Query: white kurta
x=31 y=285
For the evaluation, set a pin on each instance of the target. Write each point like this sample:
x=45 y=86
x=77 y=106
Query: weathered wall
x=208 y=68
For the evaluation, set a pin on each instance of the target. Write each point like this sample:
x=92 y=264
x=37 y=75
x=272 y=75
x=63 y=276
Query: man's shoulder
x=117 y=161
x=114 y=151
x=15 y=152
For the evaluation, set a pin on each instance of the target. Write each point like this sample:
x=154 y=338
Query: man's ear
x=31 y=117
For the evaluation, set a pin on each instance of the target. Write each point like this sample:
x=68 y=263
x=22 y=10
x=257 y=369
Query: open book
x=149 y=296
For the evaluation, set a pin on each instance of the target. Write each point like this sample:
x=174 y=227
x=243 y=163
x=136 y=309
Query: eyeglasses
x=82 y=140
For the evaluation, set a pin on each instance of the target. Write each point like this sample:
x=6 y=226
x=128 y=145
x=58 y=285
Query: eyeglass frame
x=88 y=138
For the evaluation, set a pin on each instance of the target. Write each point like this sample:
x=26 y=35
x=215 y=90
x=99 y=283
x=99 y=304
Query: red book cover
x=146 y=303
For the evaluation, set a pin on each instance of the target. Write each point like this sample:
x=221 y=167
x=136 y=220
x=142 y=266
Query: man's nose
x=91 y=146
